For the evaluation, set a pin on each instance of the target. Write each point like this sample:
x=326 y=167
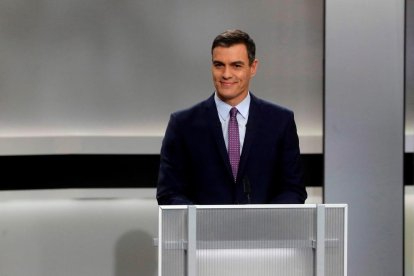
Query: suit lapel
x=251 y=129
x=217 y=132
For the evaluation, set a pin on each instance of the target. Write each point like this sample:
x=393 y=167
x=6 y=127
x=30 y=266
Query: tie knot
x=233 y=112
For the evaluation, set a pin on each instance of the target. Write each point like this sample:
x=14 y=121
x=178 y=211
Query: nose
x=226 y=73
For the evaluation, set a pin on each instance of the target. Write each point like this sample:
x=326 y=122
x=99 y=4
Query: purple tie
x=234 y=142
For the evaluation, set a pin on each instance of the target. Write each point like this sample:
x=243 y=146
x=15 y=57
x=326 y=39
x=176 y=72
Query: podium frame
x=189 y=243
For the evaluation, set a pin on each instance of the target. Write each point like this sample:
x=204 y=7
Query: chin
x=226 y=96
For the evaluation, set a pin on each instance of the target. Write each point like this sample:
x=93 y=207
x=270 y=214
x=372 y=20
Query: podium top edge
x=255 y=206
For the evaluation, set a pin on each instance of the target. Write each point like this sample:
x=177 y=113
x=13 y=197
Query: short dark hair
x=233 y=37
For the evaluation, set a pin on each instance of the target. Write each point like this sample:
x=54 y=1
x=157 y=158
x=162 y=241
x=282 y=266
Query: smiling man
x=232 y=71
x=232 y=148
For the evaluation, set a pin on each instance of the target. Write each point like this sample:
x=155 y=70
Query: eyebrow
x=237 y=62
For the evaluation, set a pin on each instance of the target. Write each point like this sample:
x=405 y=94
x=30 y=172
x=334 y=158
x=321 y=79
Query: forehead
x=232 y=53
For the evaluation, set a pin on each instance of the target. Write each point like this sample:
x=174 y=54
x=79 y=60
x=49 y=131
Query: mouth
x=227 y=84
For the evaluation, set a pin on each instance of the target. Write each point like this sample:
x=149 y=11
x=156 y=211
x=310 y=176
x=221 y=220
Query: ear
x=253 y=68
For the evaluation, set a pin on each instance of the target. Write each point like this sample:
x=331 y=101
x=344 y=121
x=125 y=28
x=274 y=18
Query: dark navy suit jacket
x=195 y=168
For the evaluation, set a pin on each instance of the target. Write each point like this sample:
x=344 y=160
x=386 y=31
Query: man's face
x=232 y=73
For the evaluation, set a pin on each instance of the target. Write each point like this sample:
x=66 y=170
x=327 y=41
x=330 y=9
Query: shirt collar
x=224 y=108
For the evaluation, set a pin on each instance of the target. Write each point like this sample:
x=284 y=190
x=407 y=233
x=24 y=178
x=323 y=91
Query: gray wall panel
x=364 y=102
x=409 y=120
x=107 y=68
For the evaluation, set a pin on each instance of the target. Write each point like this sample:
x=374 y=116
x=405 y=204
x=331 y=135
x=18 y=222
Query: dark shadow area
x=119 y=171
x=79 y=171
x=409 y=169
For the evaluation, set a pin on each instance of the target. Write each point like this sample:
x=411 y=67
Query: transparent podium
x=247 y=240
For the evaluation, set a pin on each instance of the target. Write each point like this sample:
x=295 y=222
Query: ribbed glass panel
x=255 y=242
x=335 y=241
x=174 y=235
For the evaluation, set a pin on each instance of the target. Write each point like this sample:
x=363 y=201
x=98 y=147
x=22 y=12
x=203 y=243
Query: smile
x=227 y=83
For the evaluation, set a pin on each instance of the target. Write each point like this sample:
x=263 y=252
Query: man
x=232 y=148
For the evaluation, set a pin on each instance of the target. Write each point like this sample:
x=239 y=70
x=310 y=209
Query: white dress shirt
x=223 y=110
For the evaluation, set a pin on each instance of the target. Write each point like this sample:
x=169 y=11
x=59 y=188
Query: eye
x=238 y=65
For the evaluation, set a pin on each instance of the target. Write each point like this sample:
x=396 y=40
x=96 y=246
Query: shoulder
x=269 y=108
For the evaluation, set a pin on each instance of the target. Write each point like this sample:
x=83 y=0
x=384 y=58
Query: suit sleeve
x=173 y=184
x=292 y=190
